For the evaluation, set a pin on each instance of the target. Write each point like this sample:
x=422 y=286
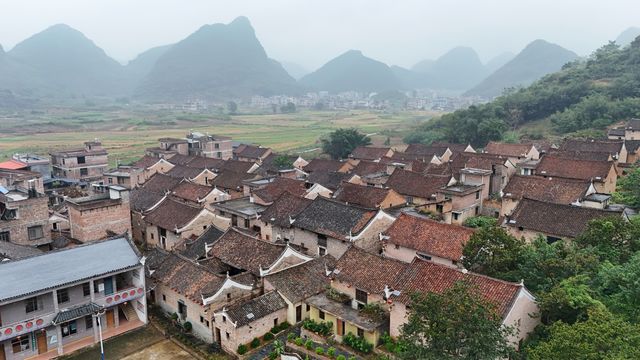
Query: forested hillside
x=585 y=94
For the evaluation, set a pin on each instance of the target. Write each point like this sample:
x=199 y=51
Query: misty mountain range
x=227 y=61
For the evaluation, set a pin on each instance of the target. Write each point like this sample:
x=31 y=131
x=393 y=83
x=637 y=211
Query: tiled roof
x=75 y=312
x=172 y=214
x=367 y=271
x=245 y=252
x=426 y=150
x=13 y=251
x=331 y=180
x=244 y=313
x=606 y=146
x=185 y=277
x=428 y=277
x=190 y=191
x=237 y=166
x=552 y=189
x=580 y=155
x=573 y=169
x=184 y=172
x=410 y=183
x=513 y=150
x=195 y=249
x=633 y=124
x=369 y=167
x=369 y=152
x=145 y=162
x=277 y=187
x=13 y=165
x=429 y=236
x=300 y=282
x=632 y=145
x=287 y=205
x=231 y=180
x=477 y=161
x=323 y=165
x=334 y=219
x=367 y=196
x=142 y=199
x=455 y=148
x=555 y=219
x=252 y=152
x=161 y=183
x=202 y=162
x=269 y=165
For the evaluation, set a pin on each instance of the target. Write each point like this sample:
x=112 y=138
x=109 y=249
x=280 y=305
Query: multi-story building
x=35 y=163
x=84 y=164
x=50 y=306
x=101 y=215
x=24 y=214
x=212 y=146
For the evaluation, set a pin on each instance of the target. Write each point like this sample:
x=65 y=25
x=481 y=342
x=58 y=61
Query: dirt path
x=164 y=350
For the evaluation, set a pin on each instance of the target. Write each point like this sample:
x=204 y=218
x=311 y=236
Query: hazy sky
x=398 y=32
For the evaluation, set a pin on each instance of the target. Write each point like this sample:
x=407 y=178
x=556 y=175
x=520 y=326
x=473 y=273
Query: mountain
x=411 y=79
x=626 y=37
x=498 y=61
x=533 y=62
x=352 y=71
x=458 y=69
x=216 y=62
x=581 y=99
x=295 y=70
x=141 y=66
x=61 y=61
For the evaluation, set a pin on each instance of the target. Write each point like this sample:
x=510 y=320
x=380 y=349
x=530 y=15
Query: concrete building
x=36 y=163
x=50 y=307
x=100 y=216
x=83 y=164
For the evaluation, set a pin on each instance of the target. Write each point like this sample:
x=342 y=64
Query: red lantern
x=132 y=292
x=116 y=298
x=140 y=291
x=125 y=295
x=19 y=328
x=39 y=322
x=29 y=325
x=8 y=332
x=109 y=300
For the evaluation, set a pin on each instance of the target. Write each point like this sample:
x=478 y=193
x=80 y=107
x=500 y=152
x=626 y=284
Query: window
x=308 y=307
x=84 y=171
x=5 y=236
x=31 y=305
x=88 y=322
x=216 y=146
x=219 y=155
x=456 y=216
x=20 y=344
x=424 y=256
x=477 y=195
x=322 y=250
x=224 y=319
x=10 y=214
x=227 y=336
x=69 y=328
x=35 y=232
x=82 y=160
x=202 y=319
x=322 y=240
x=110 y=180
x=477 y=210
x=275 y=322
x=182 y=309
x=321 y=314
x=246 y=223
x=63 y=296
x=361 y=296
x=552 y=239
x=228 y=296
x=360 y=332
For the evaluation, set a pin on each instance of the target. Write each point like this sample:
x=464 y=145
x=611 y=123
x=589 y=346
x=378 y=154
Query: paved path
x=164 y=350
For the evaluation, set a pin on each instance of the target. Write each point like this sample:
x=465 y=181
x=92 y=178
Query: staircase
x=129 y=311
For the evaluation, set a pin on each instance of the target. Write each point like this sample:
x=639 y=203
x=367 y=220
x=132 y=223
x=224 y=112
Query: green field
x=127 y=134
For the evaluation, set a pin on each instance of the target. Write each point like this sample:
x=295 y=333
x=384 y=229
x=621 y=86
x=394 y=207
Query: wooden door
x=2 y=355
x=41 y=340
x=111 y=320
x=218 y=336
x=298 y=313
x=340 y=325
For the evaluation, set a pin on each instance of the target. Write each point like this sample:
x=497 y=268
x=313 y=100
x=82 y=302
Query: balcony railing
x=120 y=296
x=25 y=326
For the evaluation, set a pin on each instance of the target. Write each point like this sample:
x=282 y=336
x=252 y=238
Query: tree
x=602 y=336
x=288 y=108
x=611 y=238
x=569 y=301
x=340 y=143
x=493 y=252
x=232 y=107
x=618 y=286
x=628 y=189
x=282 y=162
x=455 y=324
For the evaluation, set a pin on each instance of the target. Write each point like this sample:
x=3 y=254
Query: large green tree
x=455 y=324
x=341 y=142
x=612 y=238
x=628 y=189
x=619 y=287
x=602 y=336
x=492 y=251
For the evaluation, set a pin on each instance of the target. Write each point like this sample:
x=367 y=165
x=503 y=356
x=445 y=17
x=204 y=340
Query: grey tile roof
x=256 y=308
x=75 y=313
x=300 y=282
x=195 y=249
x=54 y=269
x=13 y=251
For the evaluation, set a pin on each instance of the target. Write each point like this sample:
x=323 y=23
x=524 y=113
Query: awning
x=76 y=313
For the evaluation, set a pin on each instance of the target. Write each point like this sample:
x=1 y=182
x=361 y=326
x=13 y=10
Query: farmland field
x=126 y=134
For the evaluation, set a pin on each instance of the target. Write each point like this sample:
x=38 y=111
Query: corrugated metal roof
x=54 y=269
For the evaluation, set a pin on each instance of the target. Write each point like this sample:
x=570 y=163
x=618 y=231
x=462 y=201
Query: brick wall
x=31 y=212
x=88 y=225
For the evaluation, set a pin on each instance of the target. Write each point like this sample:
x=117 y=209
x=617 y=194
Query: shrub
x=308 y=344
x=268 y=336
x=322 y=328
x=319 y=350
x=480 y=221
x=213 y=348
x=174 y=316
x=352 y=357
x=255 y=343
x=187 y=326
x=331 y=352
x=299 y=341
x=357 y=343
x=341 y=357
x=273 y=355
x=242 y=349
x=291 y=337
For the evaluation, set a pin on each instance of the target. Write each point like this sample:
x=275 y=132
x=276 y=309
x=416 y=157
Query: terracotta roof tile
x=329 y=179
x=13 y=165
x=202 y=162
x=367 y=196
x=590 y=145
x=172 y=214
x=369 y=167
x=369 y=152
x=277 y=187
x=190 y=191
x=323 y=165
x=300 y=282
x=429 y=236
x=555 y=219
x=161 y=183
x=178 y=159
x=552 y=189
x=512 y=150
x=410 y=183
x=426 y=150
x=573 y=169
x=236 y=166
x=367 y=271
x=580 y=155
x=245 y=252
x=252 y=152
x=231 y=180
x=184 y=172
x=145 y=162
